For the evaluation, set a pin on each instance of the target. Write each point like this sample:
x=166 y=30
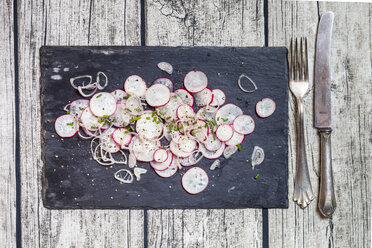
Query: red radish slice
x=236 y=139
x=203 y=97
x=165 y=66
x=77 y=106
x=160 y=155
x=120 y=95
x=107 y=142
x=244 y=124
x=144 y=149
x=173 y=145
x=160 y=166
x=122 y=137
x=265 y=107
x=195 y=81
x=224 y=132
x=195 y=180
x=227 y=114
x=148 y=126
x=212 y=143
x=122 y=115
x=157 y=95
x=168 y=129
x=133 y=105
x=186 y=144
x=185 y=96
x=135 y=85
x=170 y=171
x=219 y=98
x=205 y=114
x=89 y=121
x=164 y=81
x=185 y=112
x=212 y=155
x=66 y=126
x=102 y=104
x=169 y=111
x=191 y=160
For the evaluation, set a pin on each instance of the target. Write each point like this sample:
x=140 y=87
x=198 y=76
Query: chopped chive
x=124 y=123
x=81 y=108
x=218 y=118
x=115 y=92
x=128 y=109
x=135 y=119
x=94 y=127
x=154 y=112
x=157 y=122
x=105 y=116
x=225 y=119
x=175 y=96
x=161 y=113
x=239 y=147
x=70 y=124
x=99 y=96
x=153 y=120
x=256 y=176
x=200 y=127
x=126 y=131
x=100 y=121
x=131 y=128
x=195 y=122
x=180 y=127
x=148 y=118
x=168 y=117
x=192 y=132
x=67 y=112
x=137 y=109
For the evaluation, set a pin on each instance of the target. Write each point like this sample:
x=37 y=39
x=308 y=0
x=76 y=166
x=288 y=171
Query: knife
x=323 y=115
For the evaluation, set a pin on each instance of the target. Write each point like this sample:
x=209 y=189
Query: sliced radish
x=195 y=81
x=157 y=95
x=185 y=112
x=107 y=142
x=122 y=137
x=169 y=111
x=236 y=139
x=188 y=161
x=144 y=149
x=174 y=147
x=204 y=114
x=133 y=105
x=165 y=66
x=227 y=114
x=66 y=126
x=77 y=106
x=160 y=155
x=185 y=96
x=122 y=116
x=224 y=132
x=244 y=124
x=135 y=85
x=120 y=95
x=102 y=104
x=219 y=97
x=168 y=130
x=164 y=81
x=187 y=144
x=229 y=151
x=149 y=126
x=89 y=121
x=203 y=97
x=160 y=166
x=265 y=107
x=170 y=171
x=212 y=155
x=212 y=143
x=195 y=180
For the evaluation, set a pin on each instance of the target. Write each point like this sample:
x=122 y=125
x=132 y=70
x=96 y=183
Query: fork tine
x=306 y=62
x=296 y=65
x=301 y=66
x=290 y=62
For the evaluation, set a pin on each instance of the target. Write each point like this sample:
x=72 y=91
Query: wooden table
x=23 y=219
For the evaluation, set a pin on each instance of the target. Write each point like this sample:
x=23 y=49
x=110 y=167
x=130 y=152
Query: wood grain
x=7 y=128
x=352 y=108
x=67 y=23
x=215 y=23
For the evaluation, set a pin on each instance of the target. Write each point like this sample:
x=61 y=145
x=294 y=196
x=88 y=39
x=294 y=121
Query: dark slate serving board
x=72 y=180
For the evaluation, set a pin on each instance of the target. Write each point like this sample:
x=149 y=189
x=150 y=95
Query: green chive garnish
x=67 y=112
x=105 y=116
x=256 y=176
x=70 y=124
x=239 y=147
x=168 y=117
x=99 y=96
x=148 y=118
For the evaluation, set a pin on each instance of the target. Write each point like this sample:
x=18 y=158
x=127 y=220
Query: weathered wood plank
x=215 y=23
x=67 y=23
x=7 y=128
x=352 y=108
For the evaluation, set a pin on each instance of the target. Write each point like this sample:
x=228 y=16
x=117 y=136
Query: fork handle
x=327 y=199
x=303 y=193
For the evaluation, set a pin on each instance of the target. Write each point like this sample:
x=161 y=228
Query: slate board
x=72 y=180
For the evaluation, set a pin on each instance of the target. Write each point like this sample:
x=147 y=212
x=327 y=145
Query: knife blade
x=323 y=114
x=322 y=98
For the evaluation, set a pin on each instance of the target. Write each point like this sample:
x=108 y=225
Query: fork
x=299 y=85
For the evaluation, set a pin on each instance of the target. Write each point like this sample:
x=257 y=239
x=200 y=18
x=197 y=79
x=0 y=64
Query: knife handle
x=327 y=199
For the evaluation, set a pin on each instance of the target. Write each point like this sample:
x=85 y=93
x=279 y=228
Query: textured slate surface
x=73 y=180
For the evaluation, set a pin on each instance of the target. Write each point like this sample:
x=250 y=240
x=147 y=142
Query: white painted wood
x=215 y=23
x=7 y=128
x=67 y=23
x=351 y=138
